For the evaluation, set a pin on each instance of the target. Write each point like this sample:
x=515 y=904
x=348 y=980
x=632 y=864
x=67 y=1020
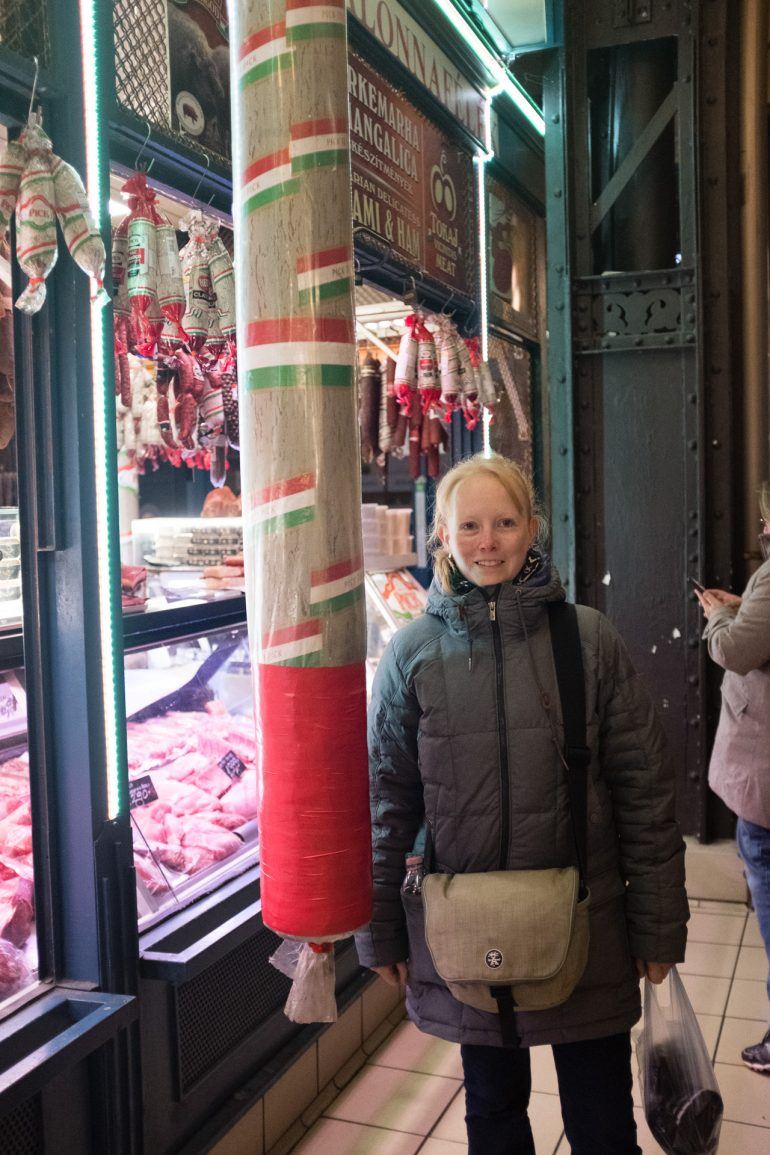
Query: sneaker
x=758 y=1056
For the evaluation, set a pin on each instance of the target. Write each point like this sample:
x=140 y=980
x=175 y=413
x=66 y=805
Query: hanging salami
x=406 y=367
x=142 y=259
x=11 y=168
x=36 y=243
x=170 y=286
x=428 y=387
x=369 y=407
x=81 y=235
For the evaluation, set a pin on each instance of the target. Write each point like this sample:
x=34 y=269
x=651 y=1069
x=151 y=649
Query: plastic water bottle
x=415 y=872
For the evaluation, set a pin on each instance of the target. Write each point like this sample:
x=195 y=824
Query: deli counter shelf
x=183 y=618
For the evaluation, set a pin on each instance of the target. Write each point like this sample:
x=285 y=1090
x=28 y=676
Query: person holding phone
x=738 y=636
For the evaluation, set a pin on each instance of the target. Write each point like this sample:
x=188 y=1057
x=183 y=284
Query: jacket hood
x=467 y=608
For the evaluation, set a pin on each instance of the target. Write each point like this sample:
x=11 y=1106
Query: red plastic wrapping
x=315 y=851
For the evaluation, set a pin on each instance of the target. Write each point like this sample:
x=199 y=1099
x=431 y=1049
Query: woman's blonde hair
x=514 y=481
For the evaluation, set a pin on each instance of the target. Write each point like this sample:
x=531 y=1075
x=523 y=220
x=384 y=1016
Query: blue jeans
x=594 y=1087
x=754 y=849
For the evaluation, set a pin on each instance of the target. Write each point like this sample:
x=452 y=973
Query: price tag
x=232 y=765
x=9 y=707
x=141 y=792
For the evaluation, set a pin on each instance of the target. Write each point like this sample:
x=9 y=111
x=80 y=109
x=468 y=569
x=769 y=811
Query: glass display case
x=192 y=750
x=191 y=763
x=18 y=942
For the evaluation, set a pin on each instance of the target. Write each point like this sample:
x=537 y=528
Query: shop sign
x=199 y=72
x=411 y=187
x=395 y=29
x=512 y=260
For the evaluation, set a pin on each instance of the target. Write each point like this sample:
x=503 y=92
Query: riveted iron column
x=651 y=331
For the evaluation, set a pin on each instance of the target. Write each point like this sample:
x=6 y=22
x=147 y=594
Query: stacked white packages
x=386 y=534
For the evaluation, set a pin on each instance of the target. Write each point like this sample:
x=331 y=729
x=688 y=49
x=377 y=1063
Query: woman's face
x=486 y=533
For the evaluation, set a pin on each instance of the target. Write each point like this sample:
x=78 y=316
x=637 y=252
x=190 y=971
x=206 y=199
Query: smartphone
x=698 y=585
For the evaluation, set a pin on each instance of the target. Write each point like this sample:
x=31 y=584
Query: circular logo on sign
x=494 y=959
x=442 y=189
x=191 y=118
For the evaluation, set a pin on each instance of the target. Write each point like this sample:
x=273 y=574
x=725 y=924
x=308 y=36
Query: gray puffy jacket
x=434 y=743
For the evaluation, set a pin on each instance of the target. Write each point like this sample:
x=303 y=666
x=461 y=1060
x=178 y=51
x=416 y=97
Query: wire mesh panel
x=24 y=28
x=220 y=1007
x=21 y=1131
x=141 y=59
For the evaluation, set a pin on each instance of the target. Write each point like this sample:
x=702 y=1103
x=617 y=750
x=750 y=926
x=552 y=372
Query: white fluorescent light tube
x=504 y=82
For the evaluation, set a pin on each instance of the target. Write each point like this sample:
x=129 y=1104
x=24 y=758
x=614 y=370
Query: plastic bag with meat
x=680 y=1094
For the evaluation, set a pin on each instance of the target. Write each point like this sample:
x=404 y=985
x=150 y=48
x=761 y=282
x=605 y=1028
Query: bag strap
x=568 y=659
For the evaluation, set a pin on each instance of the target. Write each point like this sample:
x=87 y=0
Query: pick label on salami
x=232 y=765
x=141 y=792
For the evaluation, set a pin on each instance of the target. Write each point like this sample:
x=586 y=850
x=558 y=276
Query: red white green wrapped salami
x=406 y=366
x=170 y=286
x=142 y=266
x=428 y=387
x=36 y=242
x=222 y=281
x=301 y=480
x=120 y=302
x=81 y=235
x=195 y=321
x=449 y=364
x=11 y=168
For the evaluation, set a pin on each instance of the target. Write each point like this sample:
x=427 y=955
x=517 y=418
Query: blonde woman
x=463 y=730
x=738 y=636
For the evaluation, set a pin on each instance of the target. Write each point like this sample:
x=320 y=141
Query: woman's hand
x=655 y=972
x=712 y=600
x=394 y=975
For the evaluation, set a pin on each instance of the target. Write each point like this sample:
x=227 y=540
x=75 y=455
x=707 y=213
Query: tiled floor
x=409 y=1095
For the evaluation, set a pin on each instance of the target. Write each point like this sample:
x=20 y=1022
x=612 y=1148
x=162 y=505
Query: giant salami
x=301 y=481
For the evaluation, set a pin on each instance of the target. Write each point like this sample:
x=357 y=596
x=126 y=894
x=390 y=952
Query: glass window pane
x=192 y=768
x=18 y=943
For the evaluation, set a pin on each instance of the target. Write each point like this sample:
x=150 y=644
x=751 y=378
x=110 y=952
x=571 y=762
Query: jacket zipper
x=502 y=737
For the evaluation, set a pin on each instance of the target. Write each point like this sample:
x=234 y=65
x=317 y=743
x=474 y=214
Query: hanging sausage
x=36 y=243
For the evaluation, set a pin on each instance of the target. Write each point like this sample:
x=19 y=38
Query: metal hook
x=143 y=146
x=200 y=182
x=34 y=87
x=445 y=307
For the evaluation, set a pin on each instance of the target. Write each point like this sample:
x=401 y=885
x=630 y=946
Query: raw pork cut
x=14 y=972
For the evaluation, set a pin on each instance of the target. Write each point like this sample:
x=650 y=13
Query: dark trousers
x=594 y=1089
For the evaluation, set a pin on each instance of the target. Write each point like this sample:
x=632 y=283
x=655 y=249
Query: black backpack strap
x=568 y=659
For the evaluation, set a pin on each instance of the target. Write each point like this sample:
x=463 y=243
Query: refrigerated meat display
x=191 y=765
x=18 y=942
x=192 y=750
